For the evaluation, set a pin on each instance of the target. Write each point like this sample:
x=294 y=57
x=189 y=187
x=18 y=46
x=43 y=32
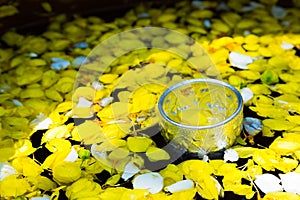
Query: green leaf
x=8 y=10
x=113 y=180
x=269 y=77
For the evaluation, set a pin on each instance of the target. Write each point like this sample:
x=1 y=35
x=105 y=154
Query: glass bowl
x=201 y=115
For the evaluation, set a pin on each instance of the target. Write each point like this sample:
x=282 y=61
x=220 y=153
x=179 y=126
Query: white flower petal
x=97 y=85
x=105 y=101
x=252 y=125
x=282 y=102
x=198 y=4
x=69 y=114
x=17 y=102
x=286 y=46
x=140 y=119
x=33 y=55
x=180 y=186
x=59 y=64
x=205 y=158
x=278 y=12
x=268 y=183
x=97 y=154
x=40 y=198
x=222 y=6
x=6 y=170
x=252 y=6
x=221 y=143
x=72 y=156
x=153 y=182
x=130 y=170
x=231 y=155
x=118 y=121
x=41 y=122
x=240 y=60
x=207 y=23
x=291 y=182
x=202 y=152
x=219 y=186
x=286 y=23
x=84 y=103
x=247 y=94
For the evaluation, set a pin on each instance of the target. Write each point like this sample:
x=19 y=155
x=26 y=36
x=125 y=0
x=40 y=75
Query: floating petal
x=105 y=101
x=72 y=156
x=40 y=198
x=290 y=182
x=78 y=61
x=231 y=155
x=41 y=122
x=286 y=45
x=153 y=182
x=33 y=55
x=59 y=64
x=268 y=183
x=84 y=103
x=240 y=60
x=6 y=170
x=279 y=12
x=130 y=170
x=252 y=125
x=17 y=102
x=180 y=186
x=247 y=94
x=97 y=85
x=81 y=45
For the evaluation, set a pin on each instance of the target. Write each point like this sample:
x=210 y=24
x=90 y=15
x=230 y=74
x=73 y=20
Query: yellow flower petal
x=108 y=78
x=27 y=166
x=66 y=172
x=278 y=124
x=12 y=186
x=286 y=145
x=57 y=132
x=281 y=195
x=90 y=132
x=155 y=154
x=266 y=158
x=138 y=144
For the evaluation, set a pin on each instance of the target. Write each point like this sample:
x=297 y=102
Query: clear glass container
x=201 y=115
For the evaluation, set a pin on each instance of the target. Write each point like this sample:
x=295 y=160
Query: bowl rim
x=200 y=80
